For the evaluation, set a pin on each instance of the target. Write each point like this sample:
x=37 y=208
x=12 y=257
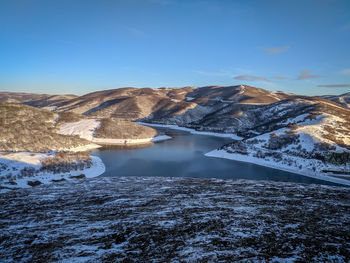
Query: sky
x=80 y=46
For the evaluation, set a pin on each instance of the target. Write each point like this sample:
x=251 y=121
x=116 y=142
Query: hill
x=26 y=128
x=21 y=97
x=343 y=99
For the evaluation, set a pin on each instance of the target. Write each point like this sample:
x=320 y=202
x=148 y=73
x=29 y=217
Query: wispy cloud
x=345 y=71
x=305 y=74
x=275 y=50
x=250 y=78
x=215 y=74
x=279 y=77
x=335 y=86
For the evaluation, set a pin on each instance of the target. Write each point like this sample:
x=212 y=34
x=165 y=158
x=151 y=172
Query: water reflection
x=183 y=156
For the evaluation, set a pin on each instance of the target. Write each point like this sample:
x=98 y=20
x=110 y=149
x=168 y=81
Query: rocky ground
x=175 y=220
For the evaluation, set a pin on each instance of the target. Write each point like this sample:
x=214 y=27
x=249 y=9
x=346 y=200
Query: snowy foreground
x=175 y=220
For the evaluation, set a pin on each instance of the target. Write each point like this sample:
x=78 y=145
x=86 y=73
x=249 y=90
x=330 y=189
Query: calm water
x=183 y=156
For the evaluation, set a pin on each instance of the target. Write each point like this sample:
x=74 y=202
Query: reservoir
x=183 y=156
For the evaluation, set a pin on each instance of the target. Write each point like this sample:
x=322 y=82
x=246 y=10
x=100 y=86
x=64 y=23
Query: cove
x=183 y=156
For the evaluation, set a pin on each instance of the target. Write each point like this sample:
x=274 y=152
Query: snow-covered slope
x=343 y=99
x=111 y=132
x=113 y=219
x=27 y=169
x=84 y=128
x=315 y=143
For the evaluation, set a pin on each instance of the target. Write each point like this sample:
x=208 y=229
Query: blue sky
x=81 y=46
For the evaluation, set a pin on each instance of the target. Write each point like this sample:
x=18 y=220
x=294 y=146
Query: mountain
x=26 y=128
x=21 y=97
x=244 y=110
x=176 y=105
x=343 y=99
x=51 y=100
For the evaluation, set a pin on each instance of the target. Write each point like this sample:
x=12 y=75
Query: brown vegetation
x=121 y=129
x=25 y=128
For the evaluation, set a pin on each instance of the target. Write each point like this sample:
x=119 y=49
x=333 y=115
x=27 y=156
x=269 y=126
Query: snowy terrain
x=109 y=141
x=292 y=165
x=175 y=220
x=193 y=131
x=86 y=128
x=302 y=149
x=19 y=170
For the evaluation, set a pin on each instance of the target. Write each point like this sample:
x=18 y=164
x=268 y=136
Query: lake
x=183 y=156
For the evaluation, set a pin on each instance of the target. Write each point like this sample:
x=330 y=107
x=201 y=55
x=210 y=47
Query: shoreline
x=121 y=142
x=192 y=131
x=86 y=128
x=258 y=161
x=95 y=170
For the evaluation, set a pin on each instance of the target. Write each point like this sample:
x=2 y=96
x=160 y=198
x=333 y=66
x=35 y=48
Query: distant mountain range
x=245 y=110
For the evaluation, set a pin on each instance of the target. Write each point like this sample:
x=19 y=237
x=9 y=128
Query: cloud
x=280 y=77
x=305 y=74
x=215 y=74
x=275 y=50
x=345 y=71
x=250 y=78
x=335 y=86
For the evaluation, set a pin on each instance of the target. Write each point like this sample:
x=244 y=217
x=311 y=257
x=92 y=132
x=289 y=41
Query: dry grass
x=62 y=157
x=25 y=128
x=65 y=117
x=121 y=129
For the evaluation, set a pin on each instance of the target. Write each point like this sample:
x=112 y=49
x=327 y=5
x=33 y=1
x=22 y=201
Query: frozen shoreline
x=109 y=141
x=258 y=161
x=193 y=131
x=85 y=129
x=95 y=170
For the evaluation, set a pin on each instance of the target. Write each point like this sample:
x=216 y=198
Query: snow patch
x=84 y=128
x=130 y=141
x=193 y=131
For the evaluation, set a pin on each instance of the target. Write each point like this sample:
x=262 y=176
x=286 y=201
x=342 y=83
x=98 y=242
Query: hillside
x=51 y=101
x=343 y=99
x=175 y=105
x=21 y=97
x=26 y=128
x=310 y=136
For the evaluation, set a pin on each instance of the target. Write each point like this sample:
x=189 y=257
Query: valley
x=301 y=134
